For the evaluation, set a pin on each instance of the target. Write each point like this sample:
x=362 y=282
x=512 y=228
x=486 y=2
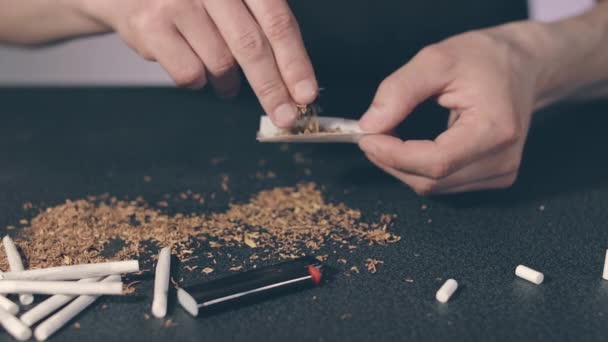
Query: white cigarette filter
x=61 y=287
x=446 y=290
x=605 y=274
x=8 y=305
x=14 y=326
x=529 y=274
x=50 y=305
x=75 y=272
x=15 y=264
x=161 y=283
x=63 y=316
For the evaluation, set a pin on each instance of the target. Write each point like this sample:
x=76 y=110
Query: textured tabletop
x=66 y=143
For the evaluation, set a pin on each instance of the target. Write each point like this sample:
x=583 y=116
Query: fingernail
x=285 y=115
x=372 y=121
x=306 y=90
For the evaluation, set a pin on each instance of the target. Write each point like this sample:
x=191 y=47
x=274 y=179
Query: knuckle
x=425 y=188
x=222 y=63
x=511 y=134
x=280 y=26
x=269 y=89
x=441 y=168
x=512 y=165
x=508 y=181
x=138 y=22
x=189 y=76
x=146 y=55
x=437 y=55
x=251 y=44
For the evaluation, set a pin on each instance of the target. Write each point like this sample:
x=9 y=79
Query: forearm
x=574 y=58
x=41 y=21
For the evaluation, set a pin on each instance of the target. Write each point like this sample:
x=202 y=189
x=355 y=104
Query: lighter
x=290 y=275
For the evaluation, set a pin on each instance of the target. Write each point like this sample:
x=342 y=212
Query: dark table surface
x=68 y=143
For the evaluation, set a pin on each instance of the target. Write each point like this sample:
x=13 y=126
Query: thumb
x=424 y=76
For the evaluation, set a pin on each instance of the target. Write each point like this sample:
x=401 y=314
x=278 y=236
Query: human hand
x=487 y=80
x=200 y=41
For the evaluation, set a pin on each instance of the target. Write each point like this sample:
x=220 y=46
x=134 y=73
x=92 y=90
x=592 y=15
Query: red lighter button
x=315 y=274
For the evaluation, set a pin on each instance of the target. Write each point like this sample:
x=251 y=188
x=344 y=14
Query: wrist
x=571 y=57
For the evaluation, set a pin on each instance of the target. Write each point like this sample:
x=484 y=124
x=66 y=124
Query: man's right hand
x=202 y=41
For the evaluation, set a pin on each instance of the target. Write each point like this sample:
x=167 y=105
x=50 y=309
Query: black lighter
x=290 y=275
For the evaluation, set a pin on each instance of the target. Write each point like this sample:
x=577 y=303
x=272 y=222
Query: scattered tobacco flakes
x=236 y=268
x=76 y=325
x=346 y=316
x=308 y=120
x=265 y=175
x=408 y=280
x=371 y=264
x=169 y=323
x=130 y=287
x=342 y=261
x=354 y=269
x=284 y=222
x=218 y=160
x=208 y=270
x=225 y=181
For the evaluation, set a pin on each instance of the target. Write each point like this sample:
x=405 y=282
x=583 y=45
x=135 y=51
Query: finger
x=500 y=182
x=490 y=168
x=281 y=29
x=251 y=49
x=177 y=58
x=203 y=36
x=467 y=140
x=424 y=76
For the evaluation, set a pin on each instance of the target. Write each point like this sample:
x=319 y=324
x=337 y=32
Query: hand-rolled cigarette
x=15 y=264
x=335 y=130
x=14 y=326
x=50 y=305
x=161 y=283
x=75 y=272
x=8 y=305
x=62 y=317
x=61 y=287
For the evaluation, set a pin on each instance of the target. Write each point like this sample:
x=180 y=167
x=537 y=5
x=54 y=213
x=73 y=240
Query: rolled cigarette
x=50 y=305
x=446 y=291
x=15 y=264
x=161 y=283
x=529 y=274
x=75 y=272
x=14 y=326
x=605 y=275
x=62 y=317
x=61 y=287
